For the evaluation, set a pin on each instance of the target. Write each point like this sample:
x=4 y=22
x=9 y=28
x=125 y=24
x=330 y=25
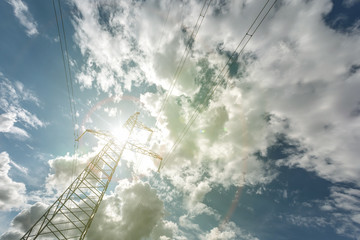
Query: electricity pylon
x=71 y=215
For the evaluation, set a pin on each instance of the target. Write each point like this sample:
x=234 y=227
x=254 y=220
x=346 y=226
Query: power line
x=68 y=63
x=63 y=59
x=68 y=76
x=164 y=25
x=221 y=76
x=72 y=92
x=185 y=55
x=249 y=34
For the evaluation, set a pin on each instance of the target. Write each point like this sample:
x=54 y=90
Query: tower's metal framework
x=71 y=215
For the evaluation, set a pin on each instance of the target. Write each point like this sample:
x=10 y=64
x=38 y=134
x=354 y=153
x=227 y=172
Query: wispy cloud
x=12 y=97
x=227 y=232
x=22 y=169
x=22 y=13
x=7 y=121
x=350 y=3
x=12 y=194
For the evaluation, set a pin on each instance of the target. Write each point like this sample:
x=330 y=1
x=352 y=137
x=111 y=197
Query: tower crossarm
x=142 y=150
x=140 y=125
x=132 y=121
x=101 y=134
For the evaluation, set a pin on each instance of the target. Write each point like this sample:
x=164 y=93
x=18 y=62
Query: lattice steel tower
x=71 y=215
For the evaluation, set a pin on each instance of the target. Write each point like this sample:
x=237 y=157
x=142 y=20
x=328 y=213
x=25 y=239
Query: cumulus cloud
x=285 y=69
x=301 y=81
x=122 y=51
x=166 y=230
x=12 y=194
x=225 y=136
x=133 y=211
x=13 y=94
x=25 y=18
x=194 y=188
x=23 y=221
x=220 y=145
x=64 y=169
x=103 y=36
x=289 y=82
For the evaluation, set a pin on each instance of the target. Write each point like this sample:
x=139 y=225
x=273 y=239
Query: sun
x=120 y=133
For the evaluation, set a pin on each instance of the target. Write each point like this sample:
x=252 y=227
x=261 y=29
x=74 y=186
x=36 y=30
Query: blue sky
x=273 y=154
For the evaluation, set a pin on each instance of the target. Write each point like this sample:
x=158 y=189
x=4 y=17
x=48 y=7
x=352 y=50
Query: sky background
x=273 y=152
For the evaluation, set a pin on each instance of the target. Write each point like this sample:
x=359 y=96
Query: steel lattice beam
x=71 y=215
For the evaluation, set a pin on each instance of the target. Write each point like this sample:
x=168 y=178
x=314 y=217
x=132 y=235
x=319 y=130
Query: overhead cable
x=68 y=76
x=220 y=79
x=185 y=55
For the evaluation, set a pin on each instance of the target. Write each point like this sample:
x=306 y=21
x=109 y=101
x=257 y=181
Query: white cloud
x=309 y=222
x=311 y=96
x=194 y=189
x=22 y=13
x=345 y=210
x=7 y=125
x=105 y=51
x=64 y=169
x=341 y=211
x=186 y=223
x=220 y=144
x=22 y=169
x=200 y=191
x=12 y=194
x=228 y=231
x=10 y=235
x=112 y=112
x=121 y=49
x=26 y=94
x=350 y=3
x=23 y=221
x=302 y=81
x=165 y=230
x=301 y=78
x=12 y=97
x=133 y=211
x=290 y=72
